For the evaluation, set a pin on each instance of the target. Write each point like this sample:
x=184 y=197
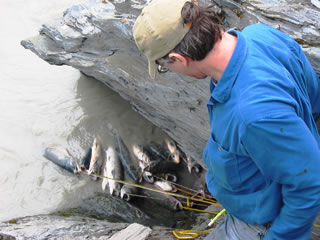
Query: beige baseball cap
x=158 y=29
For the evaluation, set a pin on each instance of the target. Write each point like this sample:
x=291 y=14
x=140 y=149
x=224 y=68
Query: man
x=263 y=155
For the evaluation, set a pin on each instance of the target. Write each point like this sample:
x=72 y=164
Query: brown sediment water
x=41 y=105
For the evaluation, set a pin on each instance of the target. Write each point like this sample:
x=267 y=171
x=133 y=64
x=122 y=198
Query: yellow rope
x=216 y=217
x=198 y=197
x=196 y=204
x=140 y=186
x=149 y=197
x=193 y=234
x=190 y=189
x=198 y=210
x=150 y=188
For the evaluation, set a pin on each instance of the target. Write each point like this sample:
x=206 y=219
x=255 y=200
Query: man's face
x=187 y=69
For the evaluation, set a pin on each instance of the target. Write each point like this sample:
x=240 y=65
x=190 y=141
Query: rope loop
x=181 y=234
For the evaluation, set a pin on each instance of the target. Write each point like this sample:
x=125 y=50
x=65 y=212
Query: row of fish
x=154 y=164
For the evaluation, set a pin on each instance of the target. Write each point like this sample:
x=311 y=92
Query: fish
x=113 y=169
x=192 y=165
x=160 y=159
x=165 y=186
x=105 y=182
x=200 y=186
x=85 y=161
x=124 y=156
x=165 y=200
x=127 y=192
x=142 y=156
x=161 y=166
x=97 y=158
x=148 y=177
x=156 y=151
x=170 y=177
x=61 y=157
x=175 y=153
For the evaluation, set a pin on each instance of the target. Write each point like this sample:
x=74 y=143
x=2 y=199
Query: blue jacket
x=263 y=155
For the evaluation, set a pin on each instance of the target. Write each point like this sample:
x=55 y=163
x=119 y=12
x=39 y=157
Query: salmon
x=97 y=158
x=113 y=169
x=61 y=157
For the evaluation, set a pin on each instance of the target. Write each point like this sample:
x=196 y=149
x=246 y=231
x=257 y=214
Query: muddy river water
x=42 y=104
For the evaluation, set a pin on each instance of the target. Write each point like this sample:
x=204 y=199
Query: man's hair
x=206 y=29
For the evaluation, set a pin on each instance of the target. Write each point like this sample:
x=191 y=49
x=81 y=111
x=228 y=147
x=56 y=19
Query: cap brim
x=152 y=69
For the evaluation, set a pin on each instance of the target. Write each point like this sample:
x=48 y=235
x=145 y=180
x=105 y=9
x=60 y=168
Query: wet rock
x=299 y=19
x=202 y=219
x=316 y=3
x=103 y=206
x=60 y=227
x=313 y=54
x=143 y=211
x=63 y=226
x=77 y=227
x=96 y=38
x=132 y=232
x=6 y=237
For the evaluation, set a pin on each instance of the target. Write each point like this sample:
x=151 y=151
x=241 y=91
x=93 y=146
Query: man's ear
x=178 y=57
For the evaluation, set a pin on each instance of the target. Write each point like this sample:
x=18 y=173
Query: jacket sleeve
x=286 y=152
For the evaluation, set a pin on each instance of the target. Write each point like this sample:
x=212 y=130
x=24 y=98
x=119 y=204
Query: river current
x=41 y=104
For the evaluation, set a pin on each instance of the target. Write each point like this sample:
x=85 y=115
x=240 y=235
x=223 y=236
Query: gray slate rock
x=59 y=227
x=132 y=232
x=316 y=3
x=96 y=38
x=56 y=226
x=104 y=206
x=6 y=237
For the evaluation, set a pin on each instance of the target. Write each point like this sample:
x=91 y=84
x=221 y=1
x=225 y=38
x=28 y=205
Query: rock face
x=132 y=232
x=60 y=227
x=78 y=227
x=97 y=217
x=106 y=207
x=96 y=38
x=103 y=206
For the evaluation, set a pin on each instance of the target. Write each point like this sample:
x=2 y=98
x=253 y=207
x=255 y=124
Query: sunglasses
x=161 y=69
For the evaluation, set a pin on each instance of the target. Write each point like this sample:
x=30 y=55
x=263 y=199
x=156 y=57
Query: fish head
x=114 y=192
x=142 y=165
x=193 y=166
x=170 y=177
x=176 y=157
x=189 y=164
x=165 y=186
x=125 y=192
x=94 y=168
x=171 y=145
x=136 y=149
x=177 y=205
x=140 y=153
x=148 y=177
x=91 y=173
